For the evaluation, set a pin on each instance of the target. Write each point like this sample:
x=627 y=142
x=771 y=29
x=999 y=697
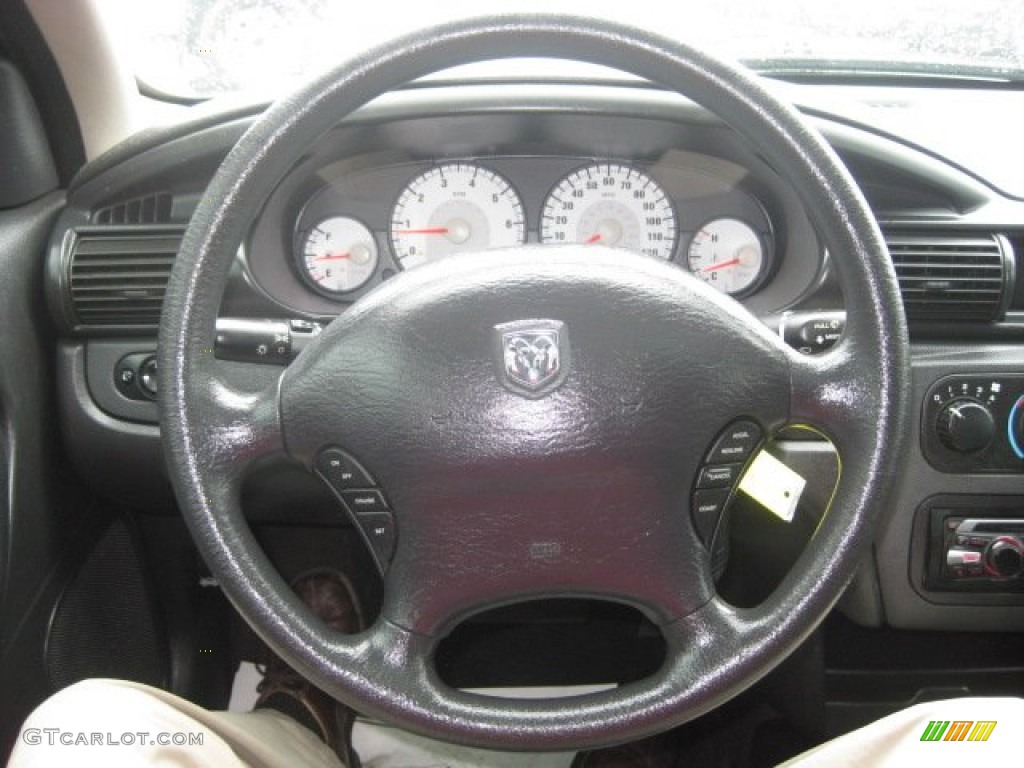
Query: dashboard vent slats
x=148 y=209
x=950 y=278
x=117 y=276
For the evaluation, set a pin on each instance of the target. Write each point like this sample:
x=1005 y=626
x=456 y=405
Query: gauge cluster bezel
x=733 y=204
x=358 y=172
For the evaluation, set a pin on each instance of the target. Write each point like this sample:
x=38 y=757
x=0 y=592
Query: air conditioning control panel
x=975 y=424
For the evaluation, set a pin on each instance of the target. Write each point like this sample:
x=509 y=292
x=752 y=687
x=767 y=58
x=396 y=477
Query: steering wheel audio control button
x=360 y=502
x=379 y=531
x=736 y=443
x=341 y=471
x=719 y=476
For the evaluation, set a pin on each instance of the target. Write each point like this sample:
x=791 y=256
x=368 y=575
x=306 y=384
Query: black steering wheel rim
x=857 y=393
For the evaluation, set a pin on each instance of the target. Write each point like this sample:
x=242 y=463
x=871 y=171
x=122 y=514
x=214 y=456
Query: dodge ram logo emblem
x=533 y=355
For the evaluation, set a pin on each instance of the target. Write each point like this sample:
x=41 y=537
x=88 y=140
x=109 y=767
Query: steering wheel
x=572 y=480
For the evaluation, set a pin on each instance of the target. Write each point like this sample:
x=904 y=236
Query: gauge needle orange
x=425 y=231
x=592 y=239
x=721 y=265
x=333 y=256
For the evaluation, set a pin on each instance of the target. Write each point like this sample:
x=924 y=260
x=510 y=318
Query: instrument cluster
x=342 y=245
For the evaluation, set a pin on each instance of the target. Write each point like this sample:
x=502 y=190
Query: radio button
x=1004 y=559
x=962 y=557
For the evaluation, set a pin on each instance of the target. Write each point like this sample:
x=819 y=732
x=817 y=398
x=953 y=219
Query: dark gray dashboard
x=534 y=134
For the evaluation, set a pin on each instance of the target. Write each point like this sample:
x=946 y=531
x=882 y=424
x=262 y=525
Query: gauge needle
x=425 y=231
x=721 y=265
x=592 y=239
x=333 y=257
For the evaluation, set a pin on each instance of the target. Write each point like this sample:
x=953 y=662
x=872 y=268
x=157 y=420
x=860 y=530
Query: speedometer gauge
x=728 y=255
x=452 y=208
x=610 y=204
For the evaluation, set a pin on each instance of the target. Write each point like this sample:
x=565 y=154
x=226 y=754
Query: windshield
x=206 y=47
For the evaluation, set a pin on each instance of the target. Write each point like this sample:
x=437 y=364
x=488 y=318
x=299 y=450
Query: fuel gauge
x=338 y=255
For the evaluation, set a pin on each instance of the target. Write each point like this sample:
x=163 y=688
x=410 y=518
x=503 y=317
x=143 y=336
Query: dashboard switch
x=147 y=377
x=135 y=376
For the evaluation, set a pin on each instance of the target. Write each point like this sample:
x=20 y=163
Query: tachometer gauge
x=455 y=207
x=338 y=255
x=728 y=255
x=610 y=204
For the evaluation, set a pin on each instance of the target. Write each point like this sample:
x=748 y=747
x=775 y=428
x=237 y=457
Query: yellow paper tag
x=773 y=485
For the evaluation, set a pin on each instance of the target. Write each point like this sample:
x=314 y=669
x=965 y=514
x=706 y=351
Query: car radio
x=976 y=547
x=987 y=550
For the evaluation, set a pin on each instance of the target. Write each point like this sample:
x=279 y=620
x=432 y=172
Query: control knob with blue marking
x=1015 y=427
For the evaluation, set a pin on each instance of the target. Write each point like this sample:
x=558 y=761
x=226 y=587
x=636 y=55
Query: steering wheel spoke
x=240 y=426
x=830 y=396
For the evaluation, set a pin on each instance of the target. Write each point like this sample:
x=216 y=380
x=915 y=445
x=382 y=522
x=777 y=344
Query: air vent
x=148 y=209
x=951 y=278
x=117 y=276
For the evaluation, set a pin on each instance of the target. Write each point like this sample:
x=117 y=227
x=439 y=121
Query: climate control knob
x=965 y=426
x=1004 y=558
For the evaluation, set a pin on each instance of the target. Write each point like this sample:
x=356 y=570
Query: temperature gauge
x=728 y=255
x=338 y=255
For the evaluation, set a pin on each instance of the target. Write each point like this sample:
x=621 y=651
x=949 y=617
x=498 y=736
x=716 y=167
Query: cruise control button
x=718 y=476
x=706 y=510
x=736 y=443
x=341 y=470
x=364 y=501
x=379 y=530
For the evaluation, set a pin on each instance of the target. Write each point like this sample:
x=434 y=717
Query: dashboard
x=445 y=167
